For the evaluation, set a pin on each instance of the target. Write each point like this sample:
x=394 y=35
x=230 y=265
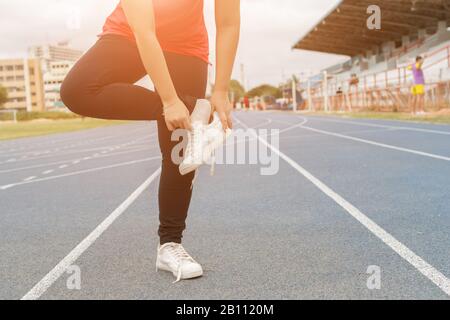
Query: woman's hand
x=177 y=116
x=221 y=103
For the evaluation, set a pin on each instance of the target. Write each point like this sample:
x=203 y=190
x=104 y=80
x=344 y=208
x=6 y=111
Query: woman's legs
x=189 y=76
x=101 y=85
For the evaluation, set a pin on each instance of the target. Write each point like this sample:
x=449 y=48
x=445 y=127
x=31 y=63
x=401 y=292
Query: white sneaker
x=203 y=140
x=173 y=258
x=194 y=149
x=215 y=137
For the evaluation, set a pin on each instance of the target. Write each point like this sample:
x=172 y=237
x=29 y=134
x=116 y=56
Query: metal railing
x=387 y=90
x=393 y=98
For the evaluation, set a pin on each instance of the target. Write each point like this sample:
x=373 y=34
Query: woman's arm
x=141 y=17
x=228 y=20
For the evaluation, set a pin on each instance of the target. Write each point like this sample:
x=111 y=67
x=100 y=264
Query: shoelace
x=195 y=140
x=197 y=131
x=180 y=254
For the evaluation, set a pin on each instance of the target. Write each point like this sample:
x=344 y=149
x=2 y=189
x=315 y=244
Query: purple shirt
x=418 y=75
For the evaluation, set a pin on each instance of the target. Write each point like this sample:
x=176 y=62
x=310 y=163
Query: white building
x=53 y=79
x=51 y=53
x=23 y=80
x=56 y=61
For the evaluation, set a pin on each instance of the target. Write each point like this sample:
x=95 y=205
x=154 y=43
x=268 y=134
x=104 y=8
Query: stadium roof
x=344 y=30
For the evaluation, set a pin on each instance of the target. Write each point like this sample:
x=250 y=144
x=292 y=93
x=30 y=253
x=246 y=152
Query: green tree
x=237 y=89
x=265 y=90
x=3 y=96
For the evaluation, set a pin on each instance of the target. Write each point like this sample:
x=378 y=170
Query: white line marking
x=47 y=172
x=141 y=130
x=346 y=132
x=417 y=262
x=244 y=140
x=300 y=136
x=96 y=149
x=29 y=178
x=294 y=126
x=79 y=172
x=41 y=287
x=268 y=121
x=383 y=145
x=362 y=123
x=63 y=166
x=76 y=161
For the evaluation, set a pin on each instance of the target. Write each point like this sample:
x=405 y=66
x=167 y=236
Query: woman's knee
x=68 y=95
x=75 y=96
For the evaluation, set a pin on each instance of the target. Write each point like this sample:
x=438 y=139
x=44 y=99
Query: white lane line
x=63 y=166
x=346 y=132
x=383 y=145
x=47 y=172
x=245 y=140
x=29 y=178
x=294 y=126
x=299 y=136
x=78 y=172
x=42 y=286
x=403 y=251
x=76 y=161
x=268 y=121
x=362 y=123
x=68 y=152
x=86 y=139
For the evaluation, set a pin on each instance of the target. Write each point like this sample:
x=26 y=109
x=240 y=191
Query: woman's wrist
x=220 y=93
x=167 y=103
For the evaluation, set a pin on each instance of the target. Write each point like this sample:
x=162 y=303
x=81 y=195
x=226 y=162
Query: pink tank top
x=180 y=26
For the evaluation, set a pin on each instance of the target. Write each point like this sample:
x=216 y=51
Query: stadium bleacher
x=378 y=59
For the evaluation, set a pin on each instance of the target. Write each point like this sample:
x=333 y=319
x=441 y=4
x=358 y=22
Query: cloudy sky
x=269 y=29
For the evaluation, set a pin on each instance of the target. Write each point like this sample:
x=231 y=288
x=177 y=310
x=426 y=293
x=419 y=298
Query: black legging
x=101 y=85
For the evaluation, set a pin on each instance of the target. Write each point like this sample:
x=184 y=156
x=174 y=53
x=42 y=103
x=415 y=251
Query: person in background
x=246 y=103
x=418 y=89
x=339 y=99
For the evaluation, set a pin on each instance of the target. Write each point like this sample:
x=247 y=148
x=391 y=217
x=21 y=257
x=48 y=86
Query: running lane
x=281 y=236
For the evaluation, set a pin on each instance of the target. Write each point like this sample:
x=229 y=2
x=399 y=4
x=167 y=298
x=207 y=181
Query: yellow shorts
x=418 y=89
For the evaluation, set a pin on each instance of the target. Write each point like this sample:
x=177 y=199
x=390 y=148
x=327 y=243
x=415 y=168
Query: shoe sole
x=192 y=275
x=185 y=169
